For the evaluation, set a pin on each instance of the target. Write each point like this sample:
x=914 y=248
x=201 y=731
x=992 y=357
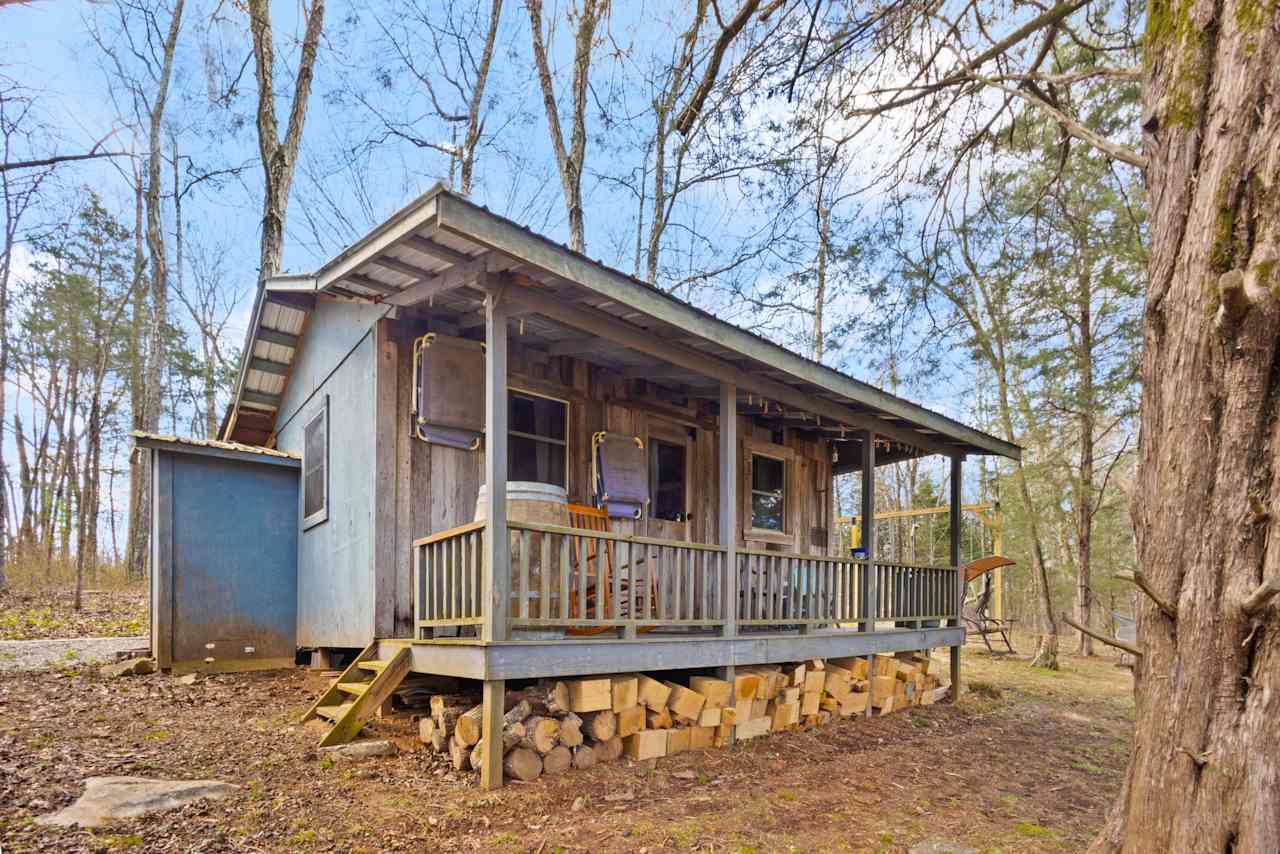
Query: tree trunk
x=1084 y=477
x=279 y=157
x=1206 y=508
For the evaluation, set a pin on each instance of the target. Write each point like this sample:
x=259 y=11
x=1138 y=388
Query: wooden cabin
x=689 y=462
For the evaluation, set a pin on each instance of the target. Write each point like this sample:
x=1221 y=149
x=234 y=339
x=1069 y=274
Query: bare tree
x=1206 y=505
x=569 y=161
x=451 y=73
x=279 y=156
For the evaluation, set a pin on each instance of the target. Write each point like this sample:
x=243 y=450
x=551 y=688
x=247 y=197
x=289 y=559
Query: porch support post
x=956 y=483
x=496 y=576
x=491 y=733
x=867 y=522
x=729 y=503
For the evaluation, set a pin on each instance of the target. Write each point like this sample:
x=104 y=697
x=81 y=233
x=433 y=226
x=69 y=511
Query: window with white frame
x=537 y=439
x=315 y=467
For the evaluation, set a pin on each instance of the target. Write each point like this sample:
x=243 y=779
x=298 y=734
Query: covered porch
x=743 y=566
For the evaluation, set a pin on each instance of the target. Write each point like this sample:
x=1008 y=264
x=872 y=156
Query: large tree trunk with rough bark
x=1206 y=756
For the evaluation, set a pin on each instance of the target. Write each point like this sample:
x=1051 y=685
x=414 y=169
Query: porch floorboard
x=469 y=658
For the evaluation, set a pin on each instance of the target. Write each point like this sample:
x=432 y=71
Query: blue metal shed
x=224 y=554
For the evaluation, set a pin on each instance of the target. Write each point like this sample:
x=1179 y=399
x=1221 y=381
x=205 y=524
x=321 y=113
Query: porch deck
x=654 y=604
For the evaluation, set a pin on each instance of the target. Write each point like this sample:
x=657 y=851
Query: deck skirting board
x=577 y=657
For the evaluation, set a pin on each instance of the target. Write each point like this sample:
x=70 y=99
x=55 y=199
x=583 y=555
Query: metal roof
x=156 y=440
x=431 y=252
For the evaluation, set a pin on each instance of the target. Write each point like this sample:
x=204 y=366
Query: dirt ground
x=1028 y=762
x=50 y=614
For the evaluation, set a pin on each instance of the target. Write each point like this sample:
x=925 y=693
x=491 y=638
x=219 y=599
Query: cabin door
x=671 y=465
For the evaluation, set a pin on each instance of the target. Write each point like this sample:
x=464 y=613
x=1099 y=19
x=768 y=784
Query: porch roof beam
x=646 y=342
x=436 y=250
x=474 y=223
x=280 y=369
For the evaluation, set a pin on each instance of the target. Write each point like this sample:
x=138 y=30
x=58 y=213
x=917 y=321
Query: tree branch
x=1140 y=580
x=1107 y=639
x=1258 y=599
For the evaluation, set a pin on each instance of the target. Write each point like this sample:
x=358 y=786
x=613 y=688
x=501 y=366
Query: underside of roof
x=443 y=254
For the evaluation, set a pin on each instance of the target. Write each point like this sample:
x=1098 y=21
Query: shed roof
x=214 y=447
x=434 y=248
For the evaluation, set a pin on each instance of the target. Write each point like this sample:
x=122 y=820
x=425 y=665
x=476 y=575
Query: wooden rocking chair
x=590 y=518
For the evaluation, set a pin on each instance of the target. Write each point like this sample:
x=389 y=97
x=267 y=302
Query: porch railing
x=447 y=577
x=908 y=592
x=590 y=581
x=777 y=588
x=584 y=579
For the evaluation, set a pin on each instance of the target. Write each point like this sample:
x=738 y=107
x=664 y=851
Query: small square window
x=768 y=493
x=315 y=468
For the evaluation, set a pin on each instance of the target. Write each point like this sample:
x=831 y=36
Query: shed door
x=226 y=550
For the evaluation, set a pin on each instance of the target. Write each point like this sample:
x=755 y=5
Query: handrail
x=540 y=528
x=452 y=532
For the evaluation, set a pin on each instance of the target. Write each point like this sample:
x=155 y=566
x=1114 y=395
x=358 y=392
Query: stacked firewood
x=546 y=729
x=553 y=726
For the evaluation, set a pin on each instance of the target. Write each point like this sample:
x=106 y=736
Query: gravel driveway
x=41 y=654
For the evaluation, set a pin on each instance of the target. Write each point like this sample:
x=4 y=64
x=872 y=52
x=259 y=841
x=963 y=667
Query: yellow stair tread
x=356 y=688
x=372 y=664
x=332 y=713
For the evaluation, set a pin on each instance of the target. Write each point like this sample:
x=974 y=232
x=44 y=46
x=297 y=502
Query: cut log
x=584 y=757
x=590 y=695
x=517 y=713
x=601 y=726
x=753 y=728
x=746 y=686
x=701 y=737
x=678 y=740
x=512 y=735
x=652 y=693
x=710 y=716
x=468 y=728
x=631 y=720
x=684 y=703
x=718 y=693
x=728 y=716
x=647 y=744
x=459 y=754
x=624 y=691
x=818 y=679
x=817 y=664
x=571 y=730
x=430 y=733
x=796 y=675
x=541 y=734
x=607 y=751
x=854 y=704
x=557 y=761
x=477 y=756
x=882 y=688
x=660 y=719
x=558 y=698
x=446 y=709
x=810 y=702
x=522 y=764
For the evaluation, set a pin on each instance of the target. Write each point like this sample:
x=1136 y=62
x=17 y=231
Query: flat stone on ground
x=106 y=799
x=360 y=750
x=937 y=847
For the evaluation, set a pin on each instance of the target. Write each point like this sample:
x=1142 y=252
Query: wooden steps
x=357 y=694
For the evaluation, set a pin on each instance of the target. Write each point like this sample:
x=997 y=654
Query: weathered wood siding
x=443 y=482
x=337 y=582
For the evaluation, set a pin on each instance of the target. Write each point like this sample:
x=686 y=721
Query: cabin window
x=667 y=480
x=537 y=441
x=768 y=493
x=315 y=467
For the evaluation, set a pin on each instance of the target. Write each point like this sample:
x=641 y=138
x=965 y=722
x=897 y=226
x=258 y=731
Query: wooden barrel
x=539 y=503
